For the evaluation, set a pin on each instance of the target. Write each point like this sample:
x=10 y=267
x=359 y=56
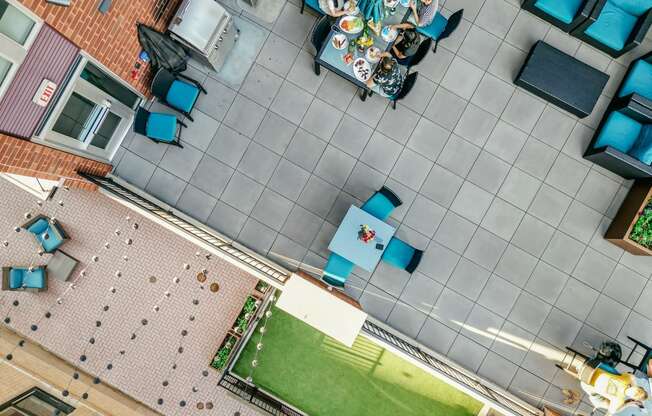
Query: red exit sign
x=44 y=93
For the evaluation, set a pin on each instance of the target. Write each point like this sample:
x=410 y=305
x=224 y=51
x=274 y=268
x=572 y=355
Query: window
x=17 y=31
x=35 y=402
x=109 y=85
x=15 y=24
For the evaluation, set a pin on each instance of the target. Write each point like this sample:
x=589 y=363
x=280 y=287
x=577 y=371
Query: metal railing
x=274 y=272
x=257 y=397
x=477 y=385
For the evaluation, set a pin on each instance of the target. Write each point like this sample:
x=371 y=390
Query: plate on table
x=351 y=24
x=347 y=7
x=391 y=3
x=405 y=3
x=339 y=41
x=373 y=54
x=362 y=69
x=388 y=34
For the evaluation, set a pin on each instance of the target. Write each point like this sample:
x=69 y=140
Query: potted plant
x=262 y=287
x=631 y=228
x=224 y=352
x=246 y=315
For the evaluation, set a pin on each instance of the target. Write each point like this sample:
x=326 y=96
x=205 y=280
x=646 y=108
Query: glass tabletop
x=333 y=59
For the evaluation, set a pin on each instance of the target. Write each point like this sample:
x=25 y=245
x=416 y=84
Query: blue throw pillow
x=619 y=132
x=613 y=27
x=633 y=7
x=642 y=149
x=564 y=10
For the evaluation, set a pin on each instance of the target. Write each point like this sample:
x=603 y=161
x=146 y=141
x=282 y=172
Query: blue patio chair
x=616 y=26
x=441 y=28
x=48 y=233
x=382 y=203
x=638 y=80
x=565 y=14
x=176 y=91
x=312 y=5
x=402 y=255
x=159 y=127
x=22 y=278
x=623 y=141
x=337 y=270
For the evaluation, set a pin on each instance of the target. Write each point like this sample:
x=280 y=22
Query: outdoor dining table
x=345 y=242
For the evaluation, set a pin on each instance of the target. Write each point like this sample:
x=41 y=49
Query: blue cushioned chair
x=623 y=141
x=337 y=270
x=48 y=233
x=382 y=203
x=312 y=5
x=402 y=255
x=638 y=81
x=159 y=127
x=176 y=91
x=441 y=27
x=616 y=26
x=565 y=14
x=22 y=278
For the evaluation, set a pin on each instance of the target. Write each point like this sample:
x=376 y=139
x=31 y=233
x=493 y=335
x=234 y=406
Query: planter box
x=234 y=343
x=622 y=224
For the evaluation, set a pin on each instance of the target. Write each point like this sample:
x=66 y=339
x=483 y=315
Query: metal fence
x=257 y=397
x=501 y=398
x=274 y=272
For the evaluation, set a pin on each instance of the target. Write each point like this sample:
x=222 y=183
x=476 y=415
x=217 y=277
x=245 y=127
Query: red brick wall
x=23 y=157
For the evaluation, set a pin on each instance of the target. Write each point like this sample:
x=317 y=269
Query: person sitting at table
x=335 y=8
x=406 y=43
x=611 y=391
x=388 y=76
x=424 y=11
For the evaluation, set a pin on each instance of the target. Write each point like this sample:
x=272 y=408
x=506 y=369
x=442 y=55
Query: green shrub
x=642 y=230
x=222 y=355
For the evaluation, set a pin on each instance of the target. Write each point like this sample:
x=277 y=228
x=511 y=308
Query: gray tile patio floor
x=494 y=187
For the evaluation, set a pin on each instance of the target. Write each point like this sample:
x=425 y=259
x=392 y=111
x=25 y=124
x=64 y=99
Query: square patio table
x=346 y=243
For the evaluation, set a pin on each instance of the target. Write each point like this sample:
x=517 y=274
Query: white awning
x=305 y=299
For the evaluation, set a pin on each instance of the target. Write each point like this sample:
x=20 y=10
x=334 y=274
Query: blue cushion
x=639 y=80
x=613 y=27
x=434 y=29
x=34 y=279
x=619 y=132
x=642 y=148
x=314 y=4
x=608 y=369
x=52 y=242
x=337 y=270
x=633 y=7
x=15 y=278
x=378 y=206
x=182 y=95
x=398 y=253
x=39 y=226
x=162 y=127
x=564 y=10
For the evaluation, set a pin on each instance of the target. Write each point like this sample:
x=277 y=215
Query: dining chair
x=565 y=14
x=422 y=51
x=312 y=5
x=441 y=27
x=642 y=365
x=408 y=84
x=158 y=127
x=382 y=203
x=319 y=34
x=337 y=270
x=177 y=91
x=402 y=255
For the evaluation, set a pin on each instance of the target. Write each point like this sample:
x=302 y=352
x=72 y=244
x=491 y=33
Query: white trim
x=26 y=183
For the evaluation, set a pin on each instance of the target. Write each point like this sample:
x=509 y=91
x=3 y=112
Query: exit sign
x=44 y=93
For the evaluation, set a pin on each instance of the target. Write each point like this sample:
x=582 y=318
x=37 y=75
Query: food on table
x=405 y=3
x=339 y=41
x=373 y=54
x=348 y=58
x=374 y=26
x=391 y=3
x=365 y=40
x=388 y=34
x=351 y=7
x=366 y=234
x=351 y=24
x=362 y=69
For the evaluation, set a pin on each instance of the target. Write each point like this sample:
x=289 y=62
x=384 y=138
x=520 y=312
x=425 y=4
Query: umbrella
x=163 y=51
x=371 y=9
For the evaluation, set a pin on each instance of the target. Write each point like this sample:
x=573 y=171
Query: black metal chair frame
x=646 y=355
x=140 y=127
x=162 y=82
x=612 y=159
x=389 y=194
x=320 y=32
x=414 y=261
x=635 y=38
x=583 y=14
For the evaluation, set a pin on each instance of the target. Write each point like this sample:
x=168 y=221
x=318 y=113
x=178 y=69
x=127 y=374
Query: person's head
x=636 y=393
x=409 y=36
x=387 y=64
x=426 y=2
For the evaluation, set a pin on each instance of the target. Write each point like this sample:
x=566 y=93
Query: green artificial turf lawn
x=320 y=376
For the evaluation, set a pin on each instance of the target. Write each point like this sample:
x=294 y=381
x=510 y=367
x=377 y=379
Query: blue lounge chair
x=22 y=278
x=337 y=270
x=402 y=255
x=176 y=91
x=441 y=27
x=616 y=26
x=382 y=203
x=565 y=14
x=48 y=233
x=638 y=80
x=159 y=127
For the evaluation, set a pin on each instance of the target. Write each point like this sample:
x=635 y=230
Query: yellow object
x=375 y=27
x=611 y=386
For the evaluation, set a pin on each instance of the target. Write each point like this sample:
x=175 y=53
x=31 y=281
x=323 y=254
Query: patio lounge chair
x=402 y=255
x=21 y=278
x=48 y=233
x=638 y=81
x=623 y=141
x=616 y=26
x=565 y=14
x=337 y=270
x=382 y=203
x=441 y=28
x=176 y=91
x=159 y=127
